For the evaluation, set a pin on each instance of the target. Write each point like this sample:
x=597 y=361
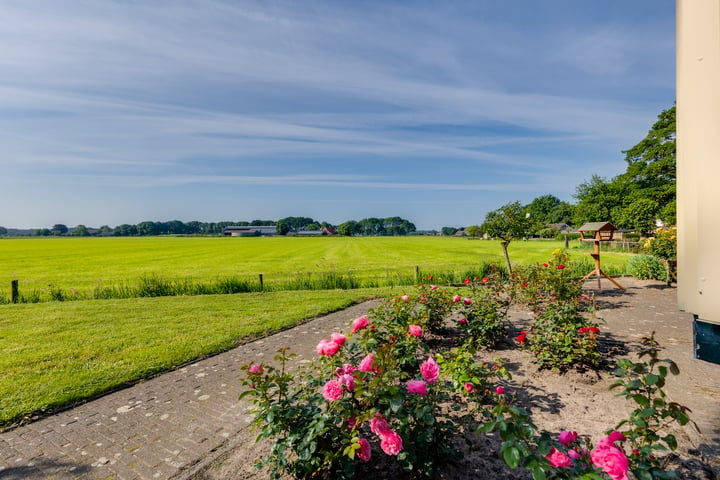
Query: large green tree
x=599 y=200
x=652 y=166
x=645 y=192
x=546 y=210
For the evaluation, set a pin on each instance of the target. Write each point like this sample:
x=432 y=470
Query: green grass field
x=58 y=353
x=78 y=267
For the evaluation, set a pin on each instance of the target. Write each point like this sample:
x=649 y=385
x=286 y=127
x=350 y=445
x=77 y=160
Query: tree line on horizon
x=634 y=200
x=389 y=226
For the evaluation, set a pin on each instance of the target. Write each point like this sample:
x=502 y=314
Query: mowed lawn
x=81 y=264
x=59 y=353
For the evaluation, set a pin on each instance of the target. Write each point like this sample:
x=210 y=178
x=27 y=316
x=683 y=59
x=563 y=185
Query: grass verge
x=57 y=354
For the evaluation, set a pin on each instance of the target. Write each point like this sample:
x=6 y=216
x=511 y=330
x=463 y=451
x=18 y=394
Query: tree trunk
x=507 y=257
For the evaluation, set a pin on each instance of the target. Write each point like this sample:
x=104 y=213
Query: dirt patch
x=579 y=401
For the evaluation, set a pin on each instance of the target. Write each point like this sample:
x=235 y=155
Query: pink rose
x=346 y=369
x=405 y=298
x=364 y=451
x=467 y=301
x=348 y=381
x=415 y=330
x=332 y=390
x=499 y=390
x=255 y=368
x=612 y=461
x=457 y=298
x=558 y=459
x=609 y=441
x=430 y=370
x=463 y=321
x=338 y=338
x=378 y=425
x=433 y=287
x=359 y=323
x=469 y=387
x=575 y=454
x=391 y=443
x=327 y=347
x=366 y=364
x=417 y=386
x=566 y=437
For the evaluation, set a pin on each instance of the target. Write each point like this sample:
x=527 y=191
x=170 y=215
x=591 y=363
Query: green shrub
x=646 y=267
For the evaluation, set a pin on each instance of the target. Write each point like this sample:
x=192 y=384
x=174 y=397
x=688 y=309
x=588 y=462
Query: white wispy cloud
x=219 y=92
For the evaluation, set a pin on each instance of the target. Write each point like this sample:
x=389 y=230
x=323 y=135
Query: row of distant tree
x=367 y=226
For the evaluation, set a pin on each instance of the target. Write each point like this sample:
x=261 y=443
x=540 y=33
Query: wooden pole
x=15 y=292
x=598 y=271
x=262 y=285
x=417 y=274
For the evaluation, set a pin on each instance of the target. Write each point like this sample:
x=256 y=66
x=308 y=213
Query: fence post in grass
x=261 y=282
x=14 y=292
x=417 y=274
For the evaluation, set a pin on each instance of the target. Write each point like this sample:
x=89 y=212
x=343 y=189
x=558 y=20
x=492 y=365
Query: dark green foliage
x=646 y=191
x=646 y=267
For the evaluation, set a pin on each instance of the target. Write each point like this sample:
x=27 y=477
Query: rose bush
x=377 y=388
x=563 y=333
x=381 y=393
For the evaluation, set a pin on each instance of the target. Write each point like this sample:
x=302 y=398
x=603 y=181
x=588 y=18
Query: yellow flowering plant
x=663 y=244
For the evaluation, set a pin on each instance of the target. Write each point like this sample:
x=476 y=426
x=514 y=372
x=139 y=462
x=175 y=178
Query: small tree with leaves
x=507 y=223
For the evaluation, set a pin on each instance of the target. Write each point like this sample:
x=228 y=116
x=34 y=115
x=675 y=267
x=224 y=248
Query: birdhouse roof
x=596 y=226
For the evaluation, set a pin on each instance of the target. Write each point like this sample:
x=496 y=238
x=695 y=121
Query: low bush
x=647 y=267
x=562 y=334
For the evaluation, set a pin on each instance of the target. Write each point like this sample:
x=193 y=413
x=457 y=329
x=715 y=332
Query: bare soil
x=579 y=401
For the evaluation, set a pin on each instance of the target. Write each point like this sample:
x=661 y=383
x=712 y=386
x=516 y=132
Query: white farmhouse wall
x=698 y=157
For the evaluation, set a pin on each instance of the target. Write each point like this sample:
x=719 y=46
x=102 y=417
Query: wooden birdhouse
x=597 y=231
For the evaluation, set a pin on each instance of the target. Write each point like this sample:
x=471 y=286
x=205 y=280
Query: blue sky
x=124 y=111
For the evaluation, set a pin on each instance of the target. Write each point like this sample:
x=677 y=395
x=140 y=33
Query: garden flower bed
x=578 y=401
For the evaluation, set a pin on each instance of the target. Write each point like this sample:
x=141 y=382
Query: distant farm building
x=314 y=233
x=250 y=231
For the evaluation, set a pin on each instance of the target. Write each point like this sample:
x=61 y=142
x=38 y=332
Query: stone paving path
x=168 y=426
x=154 y=429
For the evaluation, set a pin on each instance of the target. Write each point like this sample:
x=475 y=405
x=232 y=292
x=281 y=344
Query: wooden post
x=417 y=274
x=567 y=240
x=262 y=287
x=598 y=271
x=15 y=293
